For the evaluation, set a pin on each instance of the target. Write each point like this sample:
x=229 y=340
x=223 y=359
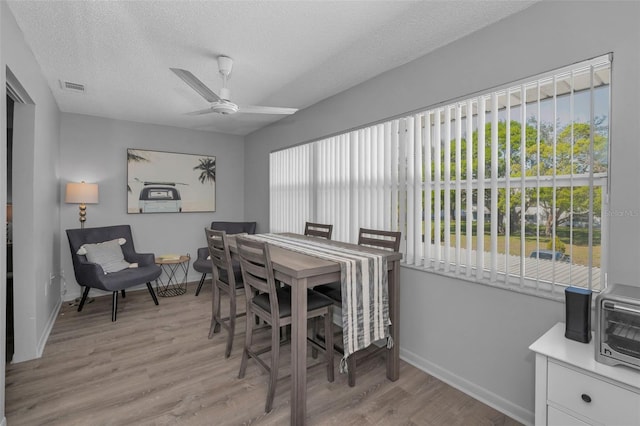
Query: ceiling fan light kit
x=225 y=94
x=221 y=103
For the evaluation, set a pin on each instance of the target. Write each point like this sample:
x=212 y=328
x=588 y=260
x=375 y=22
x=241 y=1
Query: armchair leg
x=114 y=306
x=123 y=294
x=201 y=283
x=153 y=293
x=85 y=293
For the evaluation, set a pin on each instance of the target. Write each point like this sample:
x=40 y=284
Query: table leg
x=393 y=355
x=298 y=351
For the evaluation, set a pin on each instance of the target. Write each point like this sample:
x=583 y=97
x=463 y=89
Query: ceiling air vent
x=72 y=87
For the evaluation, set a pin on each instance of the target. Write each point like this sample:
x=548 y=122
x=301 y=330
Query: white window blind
x=290 y=188
x=507 y=187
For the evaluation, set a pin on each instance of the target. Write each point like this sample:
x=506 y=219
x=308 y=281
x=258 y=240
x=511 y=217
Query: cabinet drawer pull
x=586 y=398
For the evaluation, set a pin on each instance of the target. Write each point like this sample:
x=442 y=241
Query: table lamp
x=82 y=193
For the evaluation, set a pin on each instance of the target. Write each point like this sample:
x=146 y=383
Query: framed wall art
x=169 y=182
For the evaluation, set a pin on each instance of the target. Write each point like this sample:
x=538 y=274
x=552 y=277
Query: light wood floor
x=155 y=366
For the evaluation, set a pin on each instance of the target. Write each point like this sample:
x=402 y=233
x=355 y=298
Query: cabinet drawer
x=605 y=403
x=556 y=417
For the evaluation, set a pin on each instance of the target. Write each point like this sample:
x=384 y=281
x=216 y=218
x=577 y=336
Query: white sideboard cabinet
x=573 y=389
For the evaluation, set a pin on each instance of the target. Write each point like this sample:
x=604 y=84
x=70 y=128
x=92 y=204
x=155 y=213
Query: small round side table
x=173 y=285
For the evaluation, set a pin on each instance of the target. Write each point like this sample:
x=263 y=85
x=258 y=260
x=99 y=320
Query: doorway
x=9 y=232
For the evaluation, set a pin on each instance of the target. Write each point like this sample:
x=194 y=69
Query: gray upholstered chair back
x=79 y=237
x=202 y=264
x=234 y=227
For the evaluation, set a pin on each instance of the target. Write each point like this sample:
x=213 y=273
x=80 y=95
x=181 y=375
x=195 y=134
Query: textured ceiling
x=286 y=53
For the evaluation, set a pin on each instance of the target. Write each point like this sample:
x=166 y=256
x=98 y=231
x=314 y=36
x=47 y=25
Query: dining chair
x=273 y=306
x=226 y=279
x=387 y=240
x=318 y=230
x=202 y=263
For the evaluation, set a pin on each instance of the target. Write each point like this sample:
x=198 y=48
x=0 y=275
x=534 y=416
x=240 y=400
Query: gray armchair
x=203 y=265
x=92 y=275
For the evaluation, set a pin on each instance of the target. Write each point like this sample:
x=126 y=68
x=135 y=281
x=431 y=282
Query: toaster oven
x=618 y=326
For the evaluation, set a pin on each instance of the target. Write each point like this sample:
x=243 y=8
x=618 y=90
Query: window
x=525 y=167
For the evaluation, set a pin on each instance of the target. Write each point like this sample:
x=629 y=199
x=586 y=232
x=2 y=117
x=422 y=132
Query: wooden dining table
x=301 y=271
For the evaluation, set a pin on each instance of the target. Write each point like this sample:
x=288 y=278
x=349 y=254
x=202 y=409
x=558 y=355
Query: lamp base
x=83 y=215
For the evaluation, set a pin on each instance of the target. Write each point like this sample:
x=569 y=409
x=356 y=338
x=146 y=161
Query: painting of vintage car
x=160 y=198
x=168 y=182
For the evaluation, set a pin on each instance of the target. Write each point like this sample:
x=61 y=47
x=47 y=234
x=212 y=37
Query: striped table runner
x=365 y=294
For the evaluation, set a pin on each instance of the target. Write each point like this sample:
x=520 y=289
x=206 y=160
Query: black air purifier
x=578 y=312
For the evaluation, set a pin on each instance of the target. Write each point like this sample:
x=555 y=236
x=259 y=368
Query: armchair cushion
x=107 y=254
x=82 y=251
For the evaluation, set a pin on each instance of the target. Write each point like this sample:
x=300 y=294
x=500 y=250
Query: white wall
x=36 y=230
x=95 y=150
x=475 y=336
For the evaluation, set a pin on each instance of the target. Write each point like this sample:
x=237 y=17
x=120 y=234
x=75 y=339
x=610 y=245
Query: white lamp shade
x=81 y=193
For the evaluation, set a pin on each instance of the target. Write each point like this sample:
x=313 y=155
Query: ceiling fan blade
x=254 y=109
x=201 y=112
x=196 y=84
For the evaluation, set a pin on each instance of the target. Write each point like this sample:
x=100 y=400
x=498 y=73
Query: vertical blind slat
x=437 y=193
x=591 y=166
x=410 y=179
x=523 y=162
x=480 y=207
x=538 y=162
x=494 y=187
x=395 y=199
x=469 y=191
x=447 y=187
x=428 y=185
x=417 y=190
x=387 y=176
x=402 y=178
x=507 y=191
x=554 y=184
x=458 y=197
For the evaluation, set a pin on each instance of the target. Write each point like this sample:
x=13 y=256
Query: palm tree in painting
x=133 y=156
x=207 y=168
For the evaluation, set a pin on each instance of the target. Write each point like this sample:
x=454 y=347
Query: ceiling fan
x=221 y=103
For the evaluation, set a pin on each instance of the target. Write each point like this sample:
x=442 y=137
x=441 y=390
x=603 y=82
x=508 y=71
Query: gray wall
x=36 y=226
x=95 y=150
x=476 y=336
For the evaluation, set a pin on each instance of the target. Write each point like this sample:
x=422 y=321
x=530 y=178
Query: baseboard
x=47 y=330
x=491 y=399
